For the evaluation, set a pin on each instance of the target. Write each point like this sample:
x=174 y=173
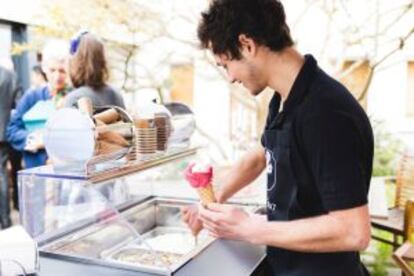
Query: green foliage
x=382 y=259
x=386 y=151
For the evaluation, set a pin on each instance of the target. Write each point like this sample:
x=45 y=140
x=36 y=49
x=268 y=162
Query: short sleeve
x=70 y=100
x=119 y=100
x=334 y=149
x=262 y=141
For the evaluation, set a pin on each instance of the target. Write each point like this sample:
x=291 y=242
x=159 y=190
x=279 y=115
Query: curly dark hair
x=264 y=21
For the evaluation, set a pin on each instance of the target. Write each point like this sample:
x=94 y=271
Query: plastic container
x=36 y=117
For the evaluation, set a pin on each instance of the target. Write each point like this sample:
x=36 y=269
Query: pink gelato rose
x=198 y=176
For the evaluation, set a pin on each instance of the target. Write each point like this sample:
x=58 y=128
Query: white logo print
x=271 y=206
x=270 y=168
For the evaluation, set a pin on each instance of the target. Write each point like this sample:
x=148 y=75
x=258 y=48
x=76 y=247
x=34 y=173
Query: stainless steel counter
x=222 y=257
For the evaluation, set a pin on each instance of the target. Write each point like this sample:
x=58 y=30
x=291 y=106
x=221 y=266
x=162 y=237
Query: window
x=410 y=89
x=356 y=79
x=248 y=115
x=243 y=116
x=182 y=78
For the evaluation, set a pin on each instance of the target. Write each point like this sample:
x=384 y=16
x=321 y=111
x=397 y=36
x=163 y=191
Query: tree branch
x=373 y=67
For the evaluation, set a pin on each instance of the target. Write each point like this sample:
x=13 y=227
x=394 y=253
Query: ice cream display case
x=126 y=216
x=111 y=217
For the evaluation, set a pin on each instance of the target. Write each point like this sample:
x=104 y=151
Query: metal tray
x=146 y=260
x=162 y=250
x=176 y=240
x=91 y=241
x=120 y=243
x=156 y=212
x=129 y=241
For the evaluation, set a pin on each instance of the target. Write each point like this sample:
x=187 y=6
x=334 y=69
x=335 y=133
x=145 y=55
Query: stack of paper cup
x=163 y=125
x=145 y=138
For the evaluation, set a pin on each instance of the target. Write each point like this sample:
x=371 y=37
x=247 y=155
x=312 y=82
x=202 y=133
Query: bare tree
x=128 y=26
x=124 y=25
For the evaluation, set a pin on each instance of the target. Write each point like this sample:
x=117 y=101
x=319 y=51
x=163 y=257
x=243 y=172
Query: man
x=54 y=65
x=9 y=92
x=317 y=148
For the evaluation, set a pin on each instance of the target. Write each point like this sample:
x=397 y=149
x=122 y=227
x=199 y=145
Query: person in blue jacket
x=30 y=144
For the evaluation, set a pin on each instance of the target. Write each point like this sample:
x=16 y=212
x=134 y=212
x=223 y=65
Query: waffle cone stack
x=163 y=125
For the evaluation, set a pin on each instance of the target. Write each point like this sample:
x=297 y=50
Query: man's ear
x=248 y=46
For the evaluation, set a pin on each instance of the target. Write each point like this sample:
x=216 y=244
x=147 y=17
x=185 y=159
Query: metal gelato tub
x=148 y=237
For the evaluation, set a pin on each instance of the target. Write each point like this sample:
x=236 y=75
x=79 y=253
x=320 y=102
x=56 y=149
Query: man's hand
x=190 y=217
x=226 y=221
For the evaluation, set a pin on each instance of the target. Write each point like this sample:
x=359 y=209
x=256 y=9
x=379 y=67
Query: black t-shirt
x=328 y=152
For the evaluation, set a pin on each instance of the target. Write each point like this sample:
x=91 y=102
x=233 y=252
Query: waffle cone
x=107 y=148
x=113 y=138
x=206 y=194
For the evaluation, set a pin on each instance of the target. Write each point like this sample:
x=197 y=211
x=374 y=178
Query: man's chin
x=255 y=92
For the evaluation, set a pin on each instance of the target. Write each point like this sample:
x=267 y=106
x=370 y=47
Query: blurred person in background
x=38 y=77
x=9 y=93
x=38 y=80
x=30 y=143
x=89 y=73
x=54 y=57
x=15 y=158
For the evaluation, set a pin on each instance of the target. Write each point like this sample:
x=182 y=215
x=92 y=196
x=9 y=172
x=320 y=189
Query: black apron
x=284 y=188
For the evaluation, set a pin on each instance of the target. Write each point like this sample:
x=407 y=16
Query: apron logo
x=269 y=166
x=271 y=170
x=271 y=206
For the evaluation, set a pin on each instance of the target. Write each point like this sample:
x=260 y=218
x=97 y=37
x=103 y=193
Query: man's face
x=56 y=74
x=242 y=71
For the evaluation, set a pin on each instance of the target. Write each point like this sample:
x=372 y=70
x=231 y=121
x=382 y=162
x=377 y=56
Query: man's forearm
x=326 y=233
x=241 y=174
